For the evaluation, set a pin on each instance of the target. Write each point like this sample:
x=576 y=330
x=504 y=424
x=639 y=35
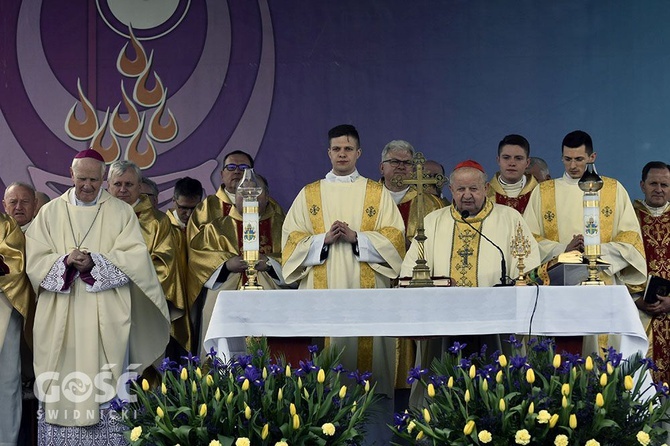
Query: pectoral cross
x=465 y=252
x=420 y=272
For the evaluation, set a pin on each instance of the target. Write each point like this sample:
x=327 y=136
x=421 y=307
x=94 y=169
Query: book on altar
x=656 y=286
x=440 y=281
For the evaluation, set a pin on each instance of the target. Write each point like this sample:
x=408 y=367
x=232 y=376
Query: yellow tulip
x=280 y=394
x=485 y=385
x=145 y=385
x=296 y=421
x=600 y=401
x=305 y=392
x=564 y=402
x=265 y=373
x=531 y=408
x=265 y=432
x=473 y=372
x=194 y=387
x=245 y=385
x=557 y=361
x=450 y=382
x=299 y=383
x=467 y=396
x=291 y=409
x=247 y=411
x=184 y=374
x=367 y=386
x=160 y=412
x=411 y=426
x=419 y=436
x=588 y=365
x=573 y=421
x=209 y=380
x=603 y=379
x=229 y=398
x=217 y=394
x=499 y=376
x=163 y=389
x=431 y=390
x=610 y=368
x=343 y=392
x=136 y=433
x=203 y=410
x=321 y=376
x=501 y=405
x=469 y=427
x=353 y=407
x=651 y=407
x=288 y=371
x=628 y=382
x=553 y=420
x=565 y=389
x=530 y=376
x=502 y=360
x=198 y=373
x=426 y=415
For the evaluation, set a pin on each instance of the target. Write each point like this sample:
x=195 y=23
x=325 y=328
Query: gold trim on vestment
x=548 y=209
x=313 y=198
x=607 y=209
x=464 y=263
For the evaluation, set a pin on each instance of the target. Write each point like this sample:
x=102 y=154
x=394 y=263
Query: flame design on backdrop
x=129 y=127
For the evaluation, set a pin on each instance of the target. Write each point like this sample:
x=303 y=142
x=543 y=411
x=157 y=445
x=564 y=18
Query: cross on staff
x=420 y=272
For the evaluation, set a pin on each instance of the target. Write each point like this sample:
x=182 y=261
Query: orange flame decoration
x=144 y=96
x=135 y=67
x=163 y=133
x=81 y=130
x=125 y=127
x=145 y=159
x=113 y=151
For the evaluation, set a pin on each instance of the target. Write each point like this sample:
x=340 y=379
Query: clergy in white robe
x=345 y=231
x=555 y=215
x=101 y=312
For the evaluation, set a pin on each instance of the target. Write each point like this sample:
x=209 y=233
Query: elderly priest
x=100 y=307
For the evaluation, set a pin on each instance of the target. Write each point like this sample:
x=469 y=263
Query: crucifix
x=465 y=252
x=420 y=272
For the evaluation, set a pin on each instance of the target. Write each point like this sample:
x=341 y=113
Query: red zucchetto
x=470 y=163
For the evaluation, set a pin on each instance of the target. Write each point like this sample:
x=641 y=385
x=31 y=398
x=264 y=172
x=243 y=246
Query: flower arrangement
x=250 y=400
x=539 y=399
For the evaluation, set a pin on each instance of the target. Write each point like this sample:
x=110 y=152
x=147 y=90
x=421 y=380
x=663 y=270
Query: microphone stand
x=503 y=265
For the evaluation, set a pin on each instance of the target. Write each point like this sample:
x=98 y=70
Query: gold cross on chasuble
x=464 y=263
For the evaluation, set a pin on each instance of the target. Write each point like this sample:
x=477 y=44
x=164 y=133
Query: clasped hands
x=340 y=231
x=576 y=244
x=237 y=264
x=661 y=306
x=80 y=260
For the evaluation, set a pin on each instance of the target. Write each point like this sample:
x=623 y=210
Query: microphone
x=503 y=266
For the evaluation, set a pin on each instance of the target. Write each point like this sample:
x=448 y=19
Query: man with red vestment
x=654 y=215
x=511 y=186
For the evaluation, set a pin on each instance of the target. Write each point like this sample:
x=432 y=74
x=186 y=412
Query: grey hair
x=75 y=163
x=28 y=187
x=397 y=145
x=118 y=168
x=544 y=167
x=482 y=174
x=151 y=183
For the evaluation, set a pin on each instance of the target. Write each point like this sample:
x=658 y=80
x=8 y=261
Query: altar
x=416 y=312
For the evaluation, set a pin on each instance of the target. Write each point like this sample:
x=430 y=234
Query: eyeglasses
x=232 y=166
x=395 y=163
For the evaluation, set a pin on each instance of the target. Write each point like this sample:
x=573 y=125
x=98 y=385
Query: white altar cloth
x=560 y=311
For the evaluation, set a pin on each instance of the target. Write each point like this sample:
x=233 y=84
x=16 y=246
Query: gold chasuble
x=217 y=242
x=454 y=249
x=498 y=195
x=161 y=241
x=368 y=209
x=216 y=206
x=555 y=214
x=655 y=235
x=95 y=330
x=15 y=289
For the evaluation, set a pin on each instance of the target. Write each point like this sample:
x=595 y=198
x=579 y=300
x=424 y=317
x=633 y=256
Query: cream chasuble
x=92 y=330
x=369 y=209
x=555 y=214
x=455 y=250
x=161 y=241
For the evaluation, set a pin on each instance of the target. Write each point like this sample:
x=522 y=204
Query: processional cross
x=420 y=272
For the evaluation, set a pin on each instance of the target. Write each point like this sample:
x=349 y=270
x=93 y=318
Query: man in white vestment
x=16 y=306
x=454 y=249
x=345 y=231
x=101 y=313
x=555 y=215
